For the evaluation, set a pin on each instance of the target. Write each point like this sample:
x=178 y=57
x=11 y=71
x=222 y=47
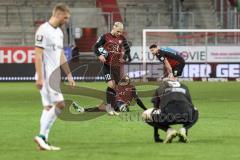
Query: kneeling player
x=125 y=93
x=172 y=105
x=172 y=61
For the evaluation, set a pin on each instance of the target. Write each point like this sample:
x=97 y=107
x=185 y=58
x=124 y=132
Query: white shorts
x=50 y=96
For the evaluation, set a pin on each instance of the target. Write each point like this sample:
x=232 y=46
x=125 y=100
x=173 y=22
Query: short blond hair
x=118 y=25
x=61 y=7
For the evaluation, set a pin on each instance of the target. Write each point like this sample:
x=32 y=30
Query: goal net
x=209 y=54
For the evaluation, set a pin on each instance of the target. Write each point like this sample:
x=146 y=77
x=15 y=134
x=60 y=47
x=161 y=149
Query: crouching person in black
x=172 y=105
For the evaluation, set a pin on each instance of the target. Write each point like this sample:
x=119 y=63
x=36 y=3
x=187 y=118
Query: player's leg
x=183 y=113
x=178 y=69
x=183 y=132
x=43 y=132
x=54 y=99
x=150 y=117
x=156 y=135
x=47 y=121
x=50 y=118
x=163 y=124
x=176 y=111
x=171 y=134
x=77 y=107
x=117 y=75
x=161 y=120
x=155 y=99
x=111 y=98
x=54 y=112
x=121 y=106
x=110 y=92
x=41 y=139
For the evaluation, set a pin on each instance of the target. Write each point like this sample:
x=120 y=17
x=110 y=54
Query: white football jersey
x=51 y=40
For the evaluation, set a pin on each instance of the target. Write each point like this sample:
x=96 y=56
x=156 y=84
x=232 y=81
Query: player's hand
x=170 y=75
x=71 y=82
x=39 y=83
x=102 y=59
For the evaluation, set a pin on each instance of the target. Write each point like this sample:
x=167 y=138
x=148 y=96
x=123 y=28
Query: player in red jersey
x=112 y=50
x=172 y=61
x=125 y=93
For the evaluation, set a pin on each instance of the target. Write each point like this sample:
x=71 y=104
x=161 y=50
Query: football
x=103 y=52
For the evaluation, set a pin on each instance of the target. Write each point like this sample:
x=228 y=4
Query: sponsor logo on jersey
x=39 y=38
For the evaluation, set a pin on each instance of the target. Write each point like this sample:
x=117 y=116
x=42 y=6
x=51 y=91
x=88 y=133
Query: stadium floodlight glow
x=186 y=37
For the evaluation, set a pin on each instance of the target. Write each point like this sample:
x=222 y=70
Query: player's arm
x=168 y=67
x=138 y=100
x=127 y=51
x=162 y=58
x=40 y=44
x=66 y=69
x=156 y=99
x=98 y=47
x=38 y=66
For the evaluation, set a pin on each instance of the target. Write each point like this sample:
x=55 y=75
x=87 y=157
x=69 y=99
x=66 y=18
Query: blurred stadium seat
x=19 y=19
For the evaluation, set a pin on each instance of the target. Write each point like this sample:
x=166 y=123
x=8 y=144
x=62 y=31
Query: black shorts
x=178 y=69
x=119 y=104
x=164 y=120
x=111 y=73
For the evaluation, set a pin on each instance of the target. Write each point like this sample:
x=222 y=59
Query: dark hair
x=153 y=46
x=125 y=79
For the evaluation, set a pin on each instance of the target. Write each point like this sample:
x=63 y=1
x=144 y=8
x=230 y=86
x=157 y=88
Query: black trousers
x=175 y=113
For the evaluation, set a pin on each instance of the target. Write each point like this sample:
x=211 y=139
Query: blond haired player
x=112 y=50
x=50 y=56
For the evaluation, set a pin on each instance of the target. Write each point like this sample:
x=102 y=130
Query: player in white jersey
x=50 y=56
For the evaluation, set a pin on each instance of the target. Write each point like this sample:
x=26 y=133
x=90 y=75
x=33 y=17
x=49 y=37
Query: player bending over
x=112 y=50
x=49 y=56
x=172 y=61
x=172 y=105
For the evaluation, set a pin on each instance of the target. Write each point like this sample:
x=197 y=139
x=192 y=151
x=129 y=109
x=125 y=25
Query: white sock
x=49 y=126
x=48 y=121
x=43 y=122
x=47 y=134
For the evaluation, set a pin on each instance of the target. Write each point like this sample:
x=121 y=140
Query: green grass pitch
x=215 y=136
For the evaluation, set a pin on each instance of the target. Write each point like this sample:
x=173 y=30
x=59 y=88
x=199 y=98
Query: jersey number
x=108 y=77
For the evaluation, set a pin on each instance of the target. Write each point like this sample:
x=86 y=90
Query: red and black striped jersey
x=112 y=47
x=125 y=93
x=171 y=55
